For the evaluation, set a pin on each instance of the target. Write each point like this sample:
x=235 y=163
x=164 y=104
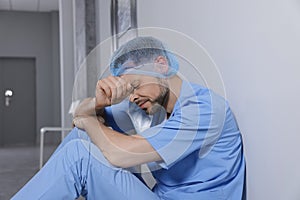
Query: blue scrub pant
x=78 y=167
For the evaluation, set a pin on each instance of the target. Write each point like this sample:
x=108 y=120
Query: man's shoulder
x=202 y=92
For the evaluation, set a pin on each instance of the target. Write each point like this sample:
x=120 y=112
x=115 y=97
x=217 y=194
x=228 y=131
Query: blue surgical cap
x=142 y=51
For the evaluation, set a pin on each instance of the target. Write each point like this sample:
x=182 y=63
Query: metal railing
x=49 y=129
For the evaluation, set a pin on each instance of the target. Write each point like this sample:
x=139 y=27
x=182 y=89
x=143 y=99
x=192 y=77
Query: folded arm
x=119 y=149
x=87 y=108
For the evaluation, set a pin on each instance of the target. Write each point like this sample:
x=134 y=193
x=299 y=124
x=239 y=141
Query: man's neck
x=175 y=83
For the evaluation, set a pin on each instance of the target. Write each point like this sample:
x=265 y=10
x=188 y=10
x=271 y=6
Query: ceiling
x=29 y=5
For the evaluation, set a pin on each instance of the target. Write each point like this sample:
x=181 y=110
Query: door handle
x=8 y=96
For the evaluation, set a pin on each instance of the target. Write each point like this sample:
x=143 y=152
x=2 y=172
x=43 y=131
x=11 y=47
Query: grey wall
x=256 y=46
x=31 y=34
x=56 y=68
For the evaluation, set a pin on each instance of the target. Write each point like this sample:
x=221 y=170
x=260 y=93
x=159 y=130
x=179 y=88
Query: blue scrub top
x=200 y=144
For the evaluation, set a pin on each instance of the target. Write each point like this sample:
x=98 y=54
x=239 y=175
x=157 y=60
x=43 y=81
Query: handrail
x=49 y=129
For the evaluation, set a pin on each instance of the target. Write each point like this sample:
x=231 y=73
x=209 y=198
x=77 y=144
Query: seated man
x=193 y=146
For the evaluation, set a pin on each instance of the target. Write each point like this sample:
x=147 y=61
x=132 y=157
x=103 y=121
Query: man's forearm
x=87 y=108
x=119 y=149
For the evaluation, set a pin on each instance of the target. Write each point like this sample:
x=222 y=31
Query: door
x=17 y=101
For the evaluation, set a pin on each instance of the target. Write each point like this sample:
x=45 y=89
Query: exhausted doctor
x=184 y=132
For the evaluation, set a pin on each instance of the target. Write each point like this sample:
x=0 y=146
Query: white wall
x=67 y=61
x=256 y=46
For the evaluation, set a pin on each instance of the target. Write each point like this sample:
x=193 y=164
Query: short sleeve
x=195 y=125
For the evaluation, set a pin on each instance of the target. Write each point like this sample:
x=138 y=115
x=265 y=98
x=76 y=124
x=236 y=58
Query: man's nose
x=133 y=97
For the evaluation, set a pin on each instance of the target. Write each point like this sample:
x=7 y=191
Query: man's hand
x=85 y=108
x=111 y=90
x=80 y=121
x=83 y=122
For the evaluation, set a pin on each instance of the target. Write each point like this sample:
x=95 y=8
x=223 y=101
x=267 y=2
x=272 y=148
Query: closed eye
x=135 y=85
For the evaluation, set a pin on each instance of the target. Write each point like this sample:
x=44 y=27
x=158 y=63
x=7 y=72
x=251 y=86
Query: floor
x=17 y=166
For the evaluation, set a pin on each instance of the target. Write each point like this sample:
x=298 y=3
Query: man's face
x=149 y=93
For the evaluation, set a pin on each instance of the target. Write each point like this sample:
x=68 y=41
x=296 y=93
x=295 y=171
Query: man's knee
x=76 y=133
x=76 y=149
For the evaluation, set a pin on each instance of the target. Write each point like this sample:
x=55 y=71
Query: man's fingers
x=129 y=88
x=77 y=121
x=115 y=88
x=121 y=88
x=102 y=85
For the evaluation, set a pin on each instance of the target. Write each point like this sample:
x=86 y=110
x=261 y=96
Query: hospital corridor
x=239 y=58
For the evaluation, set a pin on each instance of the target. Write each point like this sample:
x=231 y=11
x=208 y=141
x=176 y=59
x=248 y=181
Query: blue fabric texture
x=201 y=146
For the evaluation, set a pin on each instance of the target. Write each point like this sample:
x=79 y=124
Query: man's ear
x=161 y=65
